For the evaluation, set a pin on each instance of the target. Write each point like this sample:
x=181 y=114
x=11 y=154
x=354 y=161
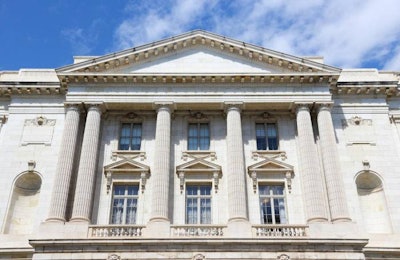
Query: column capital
x=323 y=106
x=233 y=105
x=95 y=106
x=164 y=105
x=302 y=106
x=74 y=106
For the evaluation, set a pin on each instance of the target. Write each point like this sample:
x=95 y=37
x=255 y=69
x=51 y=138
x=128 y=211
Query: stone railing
x=197 y=231
x=116 y=231
x=280 y=230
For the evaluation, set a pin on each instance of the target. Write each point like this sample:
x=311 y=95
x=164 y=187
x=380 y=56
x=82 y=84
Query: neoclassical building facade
x=199 y=147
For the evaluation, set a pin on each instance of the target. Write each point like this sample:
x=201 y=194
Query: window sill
x=255 y=155
x=196 y=154
x=128 y=154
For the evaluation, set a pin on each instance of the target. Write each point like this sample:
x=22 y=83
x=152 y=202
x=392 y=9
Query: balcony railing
x=197 y=231
x=280 y=230
x=117 y=231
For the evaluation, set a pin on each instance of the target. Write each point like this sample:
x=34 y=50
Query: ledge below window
x=128 y=154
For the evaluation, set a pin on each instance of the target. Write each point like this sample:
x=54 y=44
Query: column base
x=157 y=228
x=57 y=229
x=238 y=228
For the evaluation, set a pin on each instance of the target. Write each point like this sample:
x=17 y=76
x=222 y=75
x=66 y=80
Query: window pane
x=205 y=211
x=131 y=211
x=132 y=190
x=266 y=212
x=260 y=137
x=119 y=190
x=205 y=190
x=136 y=136
x=191 y=211
x=191 y=190
x=193 y=137
x=118 y=206
x=272 y=137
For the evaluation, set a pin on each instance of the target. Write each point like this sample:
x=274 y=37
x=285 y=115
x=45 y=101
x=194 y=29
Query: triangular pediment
x=126 y=165
x=198 y=165
x=271 y=165
x=197 y=52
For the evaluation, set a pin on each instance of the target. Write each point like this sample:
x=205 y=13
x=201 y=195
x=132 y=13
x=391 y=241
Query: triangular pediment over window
x=270 y=165
x=196 y=52
x=126 y=165
x=198 y=165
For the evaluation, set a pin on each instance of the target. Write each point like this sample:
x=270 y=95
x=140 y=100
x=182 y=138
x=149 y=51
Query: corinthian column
x=62 y=182
x=330 y=159
x=311 y=174
x=87 y=166
x=235 y=163
x=160 y=177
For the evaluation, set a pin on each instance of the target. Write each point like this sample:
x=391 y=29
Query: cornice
x=193 y=39
x=209 y=78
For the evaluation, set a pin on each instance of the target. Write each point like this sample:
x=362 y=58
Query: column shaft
x=62 y=182
x=87 y=166
x=160 y=176
x=235 y=162
x=312 y=179
x=330 y=158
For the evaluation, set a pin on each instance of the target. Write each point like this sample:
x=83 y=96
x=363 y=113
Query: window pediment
x=199 y=166
x=270 y=166
x=127 y=166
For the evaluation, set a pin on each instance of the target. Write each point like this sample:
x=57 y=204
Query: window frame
x=272 y=197
x=125 y=198
x=198 y=135
x=266 y=136
x=198 y=198
x=131 y=135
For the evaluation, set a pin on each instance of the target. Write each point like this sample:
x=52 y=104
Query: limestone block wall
x=366 y=142
x=32 y=132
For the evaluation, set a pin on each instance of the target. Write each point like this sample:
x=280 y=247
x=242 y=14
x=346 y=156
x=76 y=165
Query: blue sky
x=348 y=33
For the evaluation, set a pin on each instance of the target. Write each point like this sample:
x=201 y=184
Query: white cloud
x=347 y=33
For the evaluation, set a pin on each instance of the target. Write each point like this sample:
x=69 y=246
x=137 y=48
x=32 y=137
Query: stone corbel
x=143 y=180
x=253 y=176
x=289 y=176
x=109 y=180
x=31 y=166
x=216 y=181
x=181 y=176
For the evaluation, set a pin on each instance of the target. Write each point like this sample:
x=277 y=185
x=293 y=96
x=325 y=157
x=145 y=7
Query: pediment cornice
x=195 y=39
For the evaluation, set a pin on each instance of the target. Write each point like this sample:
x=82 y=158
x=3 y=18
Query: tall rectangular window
x=199 y=136
x=272 y=204
x=267 y=136
x=124 y=204
x=130 y=137
x=198 y=204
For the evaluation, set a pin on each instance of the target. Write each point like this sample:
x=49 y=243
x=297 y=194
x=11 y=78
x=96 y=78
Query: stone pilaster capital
x=164 y=105
x=234 y=105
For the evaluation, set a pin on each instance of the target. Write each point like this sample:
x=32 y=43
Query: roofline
x=199 y=32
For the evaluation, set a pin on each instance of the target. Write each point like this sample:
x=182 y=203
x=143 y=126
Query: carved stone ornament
x=199 y=257
x=283 y=257
x=40 y=121
x=113 y=257
x=356 y=121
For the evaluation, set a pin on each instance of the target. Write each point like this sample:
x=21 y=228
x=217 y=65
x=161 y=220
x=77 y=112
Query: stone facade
x=199 y=147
